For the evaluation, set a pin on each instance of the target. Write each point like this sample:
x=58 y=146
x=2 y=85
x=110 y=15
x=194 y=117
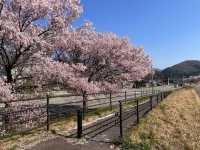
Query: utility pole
x=183 y=81
x=168 y=81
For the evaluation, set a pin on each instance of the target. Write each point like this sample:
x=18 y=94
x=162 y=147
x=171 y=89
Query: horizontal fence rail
x=40 y=112
x=120 y=117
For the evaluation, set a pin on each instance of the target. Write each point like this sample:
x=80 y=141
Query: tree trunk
x=9 y=75
x=7 y=105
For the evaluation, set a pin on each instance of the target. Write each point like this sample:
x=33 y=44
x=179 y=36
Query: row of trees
x=37 y=40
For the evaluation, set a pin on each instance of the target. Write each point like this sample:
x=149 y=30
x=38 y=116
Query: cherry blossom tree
x=33 y=31
x=27 y=27
x=94 y=61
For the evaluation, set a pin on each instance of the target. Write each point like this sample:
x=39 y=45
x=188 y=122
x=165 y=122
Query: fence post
x=84 y=106
x=157 y=99
x=120 y=119
x=135 y=94
x=110 y=100
x=125 y=96
x=138 y=115
x=151 y=102
x=47 y=109
x=165 y=94
x=79 y=124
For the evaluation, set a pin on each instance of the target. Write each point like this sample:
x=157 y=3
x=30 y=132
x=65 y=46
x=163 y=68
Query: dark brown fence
x=27 y=114
x=119 y=118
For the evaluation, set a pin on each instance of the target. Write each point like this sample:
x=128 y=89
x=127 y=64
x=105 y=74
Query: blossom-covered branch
x=27 y=26
x=93 y=61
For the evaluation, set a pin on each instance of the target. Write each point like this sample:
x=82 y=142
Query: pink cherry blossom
x=5 y=91
x=28 y=26
x=96 y=61
x=30 y=33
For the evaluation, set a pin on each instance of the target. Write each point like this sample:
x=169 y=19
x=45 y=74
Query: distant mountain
x=183 y=69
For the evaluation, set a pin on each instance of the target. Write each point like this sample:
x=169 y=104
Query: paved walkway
x=61 y=143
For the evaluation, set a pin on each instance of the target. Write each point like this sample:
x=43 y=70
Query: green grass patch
x=127 y=144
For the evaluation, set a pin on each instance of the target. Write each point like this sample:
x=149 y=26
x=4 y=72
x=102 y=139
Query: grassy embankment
x=173 y=125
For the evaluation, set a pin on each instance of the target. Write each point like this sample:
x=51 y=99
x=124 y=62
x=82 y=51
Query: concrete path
x=61 y=143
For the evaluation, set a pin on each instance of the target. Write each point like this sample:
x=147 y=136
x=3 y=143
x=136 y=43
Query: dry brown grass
x=20 y=142
x=173 y=125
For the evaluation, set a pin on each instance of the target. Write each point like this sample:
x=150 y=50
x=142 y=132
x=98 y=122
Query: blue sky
x=169 y=30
